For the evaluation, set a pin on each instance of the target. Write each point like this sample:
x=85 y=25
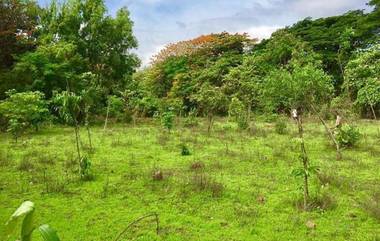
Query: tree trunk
x=77 y=140
x=89 y=136
x=331 y=135
x=305 y=162
x=373 y=112
x=134 y=118
x=106 y=120
x=88 y=130
x=249 y=113
x=209 y=126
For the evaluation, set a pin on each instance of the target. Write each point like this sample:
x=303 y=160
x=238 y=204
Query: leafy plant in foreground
x=25 y=214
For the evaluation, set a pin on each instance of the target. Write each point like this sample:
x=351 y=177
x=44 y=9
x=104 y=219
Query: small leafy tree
x=306 y=169
x=23 y=110
x=299 y=86
x=237 y=112
x=362 y=80
x=211 y=99
x=24 y=214
x=89 y=97
x=369 y=95
x=70 y=107
x=167 y=119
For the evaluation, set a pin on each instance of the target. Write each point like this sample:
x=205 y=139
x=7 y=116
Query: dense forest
x=72 y=66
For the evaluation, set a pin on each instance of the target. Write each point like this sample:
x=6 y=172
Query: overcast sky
x=159 y=22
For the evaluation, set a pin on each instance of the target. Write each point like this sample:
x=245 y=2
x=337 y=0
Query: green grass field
x=235 y=185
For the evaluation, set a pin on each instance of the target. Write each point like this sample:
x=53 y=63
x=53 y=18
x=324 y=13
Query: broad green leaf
x=24 y=212
x=47 y=233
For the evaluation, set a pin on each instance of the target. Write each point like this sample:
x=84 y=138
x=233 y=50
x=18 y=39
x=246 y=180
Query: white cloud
x=261 y=32
x=160 y=22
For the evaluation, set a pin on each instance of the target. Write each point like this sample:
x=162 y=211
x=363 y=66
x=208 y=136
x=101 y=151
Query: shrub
x=23 y=110
x=185 y=150
x=280 y=126
x=116 y=107
x=347 y=135
x=167 y=120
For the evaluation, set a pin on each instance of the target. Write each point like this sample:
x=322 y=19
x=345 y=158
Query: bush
x=185 y=150
x=281 y=127
x=116 y=107
x=167 y=119
x=23 y=110
x=347 y=136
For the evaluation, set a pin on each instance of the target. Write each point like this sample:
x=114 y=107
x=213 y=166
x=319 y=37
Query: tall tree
x=363 y=81
x=104 y=41
x=18 y=20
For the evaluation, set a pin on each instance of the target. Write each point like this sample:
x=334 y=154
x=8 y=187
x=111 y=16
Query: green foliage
x=72 y=38
x=68 y=105
x=167 y=119
x=369 y=95
x=347 y=135
x=25 y=215
x=19 y=20
x=210 y=99
x=52 y=67
x=104 y=41
x=342 y=105
x=301 y=172
x=116 y=107
x=185 y=150
x=336 y=38
x=238 y=113
x=362 y=78
x=297 y=88
x=23 y=110
x=85 y=169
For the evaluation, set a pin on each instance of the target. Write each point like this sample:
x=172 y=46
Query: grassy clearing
x=234 y=185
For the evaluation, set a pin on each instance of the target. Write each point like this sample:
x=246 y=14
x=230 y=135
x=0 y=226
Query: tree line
x=76 y=48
